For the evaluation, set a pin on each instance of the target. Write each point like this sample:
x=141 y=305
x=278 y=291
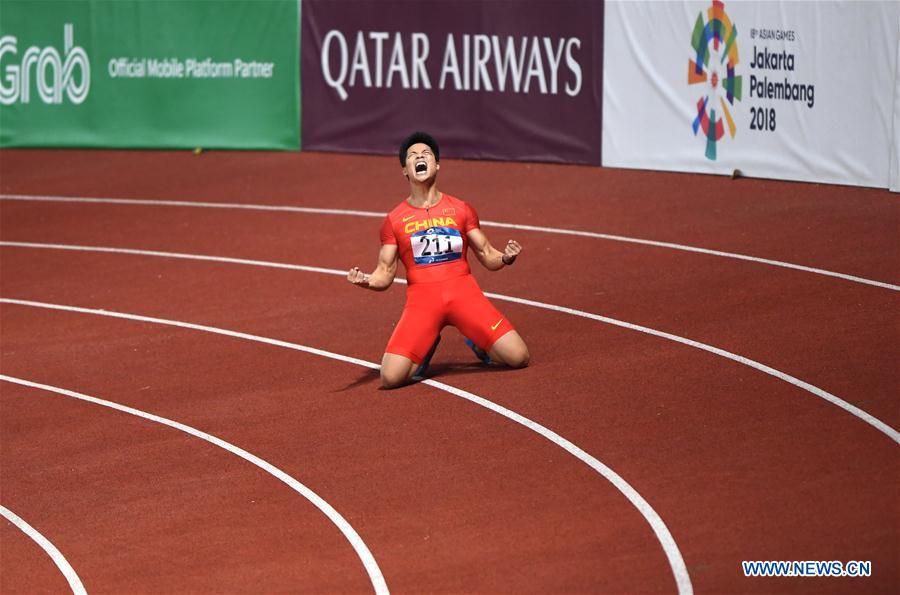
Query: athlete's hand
x=357 y=277
x=511 y=252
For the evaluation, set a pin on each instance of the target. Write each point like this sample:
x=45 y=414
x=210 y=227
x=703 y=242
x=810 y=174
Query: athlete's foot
x=478 y=351
x=423 y=367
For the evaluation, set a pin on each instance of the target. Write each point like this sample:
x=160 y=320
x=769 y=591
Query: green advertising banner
x=150 y=73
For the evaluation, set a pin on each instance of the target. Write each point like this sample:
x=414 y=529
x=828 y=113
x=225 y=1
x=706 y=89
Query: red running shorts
x=432 y=306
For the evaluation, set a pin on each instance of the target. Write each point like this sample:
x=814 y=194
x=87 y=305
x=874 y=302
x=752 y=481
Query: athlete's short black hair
x=419 y=137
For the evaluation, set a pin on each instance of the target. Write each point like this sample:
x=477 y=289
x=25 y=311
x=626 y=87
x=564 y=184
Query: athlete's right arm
x=383 y=275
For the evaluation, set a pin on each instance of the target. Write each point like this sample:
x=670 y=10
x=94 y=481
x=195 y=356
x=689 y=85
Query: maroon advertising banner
x=490 y=79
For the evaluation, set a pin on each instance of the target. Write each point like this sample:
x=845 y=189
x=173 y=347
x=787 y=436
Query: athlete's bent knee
x=511 y=351
x=395 y=371
x=519 y=359
x=393 y=379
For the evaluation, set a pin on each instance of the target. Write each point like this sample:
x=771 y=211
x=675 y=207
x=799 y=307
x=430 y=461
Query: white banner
x=895 y=147
x=789 y=90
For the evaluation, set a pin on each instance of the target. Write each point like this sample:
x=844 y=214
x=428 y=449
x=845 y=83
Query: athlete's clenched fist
x=511 y=252
x=357 y=277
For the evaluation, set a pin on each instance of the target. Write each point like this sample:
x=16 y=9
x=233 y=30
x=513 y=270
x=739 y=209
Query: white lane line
x=811 y=388
x=783 y=376
x=185 y=203
x=333 y=515
x=179 y=255
x=47 y=546
x=553 y=230
x=673 y=554
x=676 y=562
x=708 y=252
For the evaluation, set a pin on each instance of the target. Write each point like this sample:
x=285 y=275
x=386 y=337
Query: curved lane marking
x=553 y=230
x=333 y=515
x=47 y=546
x=670 y=548
x=810 y=388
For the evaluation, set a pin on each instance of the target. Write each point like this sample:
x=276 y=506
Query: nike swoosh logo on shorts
x=495 y=325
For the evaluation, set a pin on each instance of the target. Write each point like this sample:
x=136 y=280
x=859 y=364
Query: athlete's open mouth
x=421 y=167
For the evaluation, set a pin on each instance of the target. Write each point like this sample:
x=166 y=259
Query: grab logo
x=51 y=73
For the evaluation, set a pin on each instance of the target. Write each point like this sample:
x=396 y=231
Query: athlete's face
x=421 y=165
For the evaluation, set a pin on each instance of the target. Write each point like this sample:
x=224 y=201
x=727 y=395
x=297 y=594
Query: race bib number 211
x=436 y=245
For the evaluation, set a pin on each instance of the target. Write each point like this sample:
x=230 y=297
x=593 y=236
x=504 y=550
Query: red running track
x=448 y=496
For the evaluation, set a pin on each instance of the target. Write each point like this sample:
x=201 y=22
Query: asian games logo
x=716 y=57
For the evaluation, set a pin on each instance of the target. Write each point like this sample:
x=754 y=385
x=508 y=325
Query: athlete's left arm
x=490 y=257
